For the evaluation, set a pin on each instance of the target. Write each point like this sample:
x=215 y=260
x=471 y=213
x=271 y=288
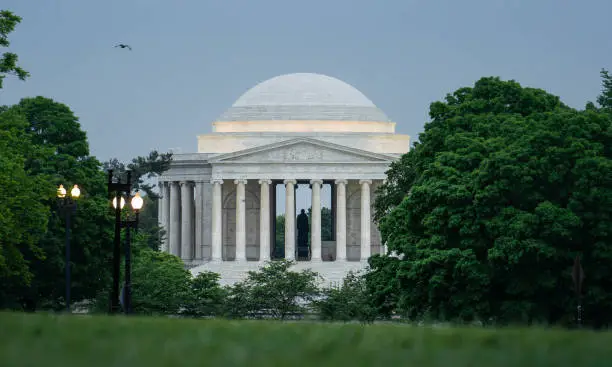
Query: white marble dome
x=303 y=97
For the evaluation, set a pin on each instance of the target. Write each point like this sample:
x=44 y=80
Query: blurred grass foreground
x=47 y=340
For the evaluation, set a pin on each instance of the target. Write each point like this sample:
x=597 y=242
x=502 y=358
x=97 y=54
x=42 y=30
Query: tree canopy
x=488 y=211
x=58 y=153
x=275 y=290
x=23 y=216
x=605 y=98
x=8 y=60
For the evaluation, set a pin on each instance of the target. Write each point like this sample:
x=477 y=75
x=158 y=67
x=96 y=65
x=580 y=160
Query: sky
x=192 y=59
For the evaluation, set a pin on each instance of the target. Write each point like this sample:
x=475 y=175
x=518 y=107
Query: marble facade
x=218 y=206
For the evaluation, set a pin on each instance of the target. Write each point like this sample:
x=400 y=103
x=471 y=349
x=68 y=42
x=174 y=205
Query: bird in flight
x=124 y=46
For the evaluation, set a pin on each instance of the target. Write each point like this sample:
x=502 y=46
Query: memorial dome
x=303 y=97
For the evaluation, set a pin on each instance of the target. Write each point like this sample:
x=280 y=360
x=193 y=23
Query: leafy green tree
x=160 y=283
x=206 y=297
x=350 y=301
x=605 y=98
x=274 y=290
x=239 y=302
x=400 y=178
x=383 y=285
x=63 y=157
x=279 y=236
x=505 y=188
x=8 y=60
x=23 y=216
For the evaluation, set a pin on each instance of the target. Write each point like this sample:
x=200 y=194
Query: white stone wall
x=233 y=142
x=331 y=272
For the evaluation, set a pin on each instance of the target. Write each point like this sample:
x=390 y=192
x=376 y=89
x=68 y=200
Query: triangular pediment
x=302 y=150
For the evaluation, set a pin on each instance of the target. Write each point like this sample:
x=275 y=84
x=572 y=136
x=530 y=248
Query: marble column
x=187 y=220
x=166 y=216
x=315 y=229
x=264 y=220
x=341 y=220
x=175 y=219
x=240 y=220
x=199 y=218
x=162 y=204
x=366 y=248
x=160 y=208
x=290 y=219
x=217 y=218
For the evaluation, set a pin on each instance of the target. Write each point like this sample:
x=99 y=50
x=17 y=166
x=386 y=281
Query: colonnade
x=182 y=219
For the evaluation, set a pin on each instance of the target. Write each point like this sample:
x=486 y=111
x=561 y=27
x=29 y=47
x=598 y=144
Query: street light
x=128 y=224
x=68 y=205
x=119 y=190
x=121 y=202
x=137 y=202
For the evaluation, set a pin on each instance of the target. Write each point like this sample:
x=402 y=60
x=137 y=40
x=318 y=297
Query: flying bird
x=124 y=46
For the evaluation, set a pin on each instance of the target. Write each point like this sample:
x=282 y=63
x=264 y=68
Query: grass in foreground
x=45 y=340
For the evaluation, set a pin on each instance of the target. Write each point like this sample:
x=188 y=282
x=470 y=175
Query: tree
x=206 y=297
x=239 y=303
x=383 y=285
x=274 y=290
x=160 y=283
x=23 y=216
x=8 y=60
x=62 y=156
x=506 y=187
x=351 y=301
x=279 y=236
x=605 y=98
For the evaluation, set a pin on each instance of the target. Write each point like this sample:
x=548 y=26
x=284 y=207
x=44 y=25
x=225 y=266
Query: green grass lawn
x=90 y=341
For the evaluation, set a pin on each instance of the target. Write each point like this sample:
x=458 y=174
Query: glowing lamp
x=61 y=192
x=137 y=202
x=121 y=202
x=75 y=192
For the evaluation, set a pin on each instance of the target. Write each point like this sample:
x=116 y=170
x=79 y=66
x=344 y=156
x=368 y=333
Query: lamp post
x=116 y=191
x=578 y=278
x=68 y=205
x=128 y=224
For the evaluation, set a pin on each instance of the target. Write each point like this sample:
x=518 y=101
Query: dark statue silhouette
x=302 y=241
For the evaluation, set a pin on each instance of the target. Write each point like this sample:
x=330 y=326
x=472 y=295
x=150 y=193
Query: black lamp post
x=578 y=278
x=68 y=205
x=128 y=224
x=117 y=191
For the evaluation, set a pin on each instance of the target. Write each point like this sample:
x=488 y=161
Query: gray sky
x=193 y=58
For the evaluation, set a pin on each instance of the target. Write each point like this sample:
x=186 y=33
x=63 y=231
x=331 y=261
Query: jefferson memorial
x=219 y=206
